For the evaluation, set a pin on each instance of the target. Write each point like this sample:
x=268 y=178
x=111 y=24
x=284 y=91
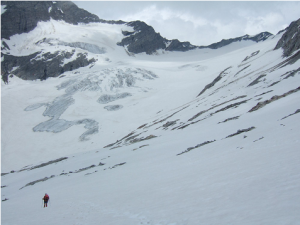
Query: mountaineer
x=46 y=199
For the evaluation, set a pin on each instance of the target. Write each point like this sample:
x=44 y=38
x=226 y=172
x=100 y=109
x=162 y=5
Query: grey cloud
x=201 y=22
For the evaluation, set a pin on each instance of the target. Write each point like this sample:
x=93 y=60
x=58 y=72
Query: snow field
x=250 y=178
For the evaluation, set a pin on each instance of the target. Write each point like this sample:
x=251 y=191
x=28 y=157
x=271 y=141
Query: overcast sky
x=200 y=22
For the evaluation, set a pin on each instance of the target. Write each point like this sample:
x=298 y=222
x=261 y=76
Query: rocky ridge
x=256 y=38
x=290 y=40
x=145 y=39
x=22 y=17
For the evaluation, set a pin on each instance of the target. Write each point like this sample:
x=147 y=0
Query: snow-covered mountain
x=201 y=135
x=27 y=17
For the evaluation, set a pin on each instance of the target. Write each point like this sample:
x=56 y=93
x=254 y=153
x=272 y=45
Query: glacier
x=206 y=136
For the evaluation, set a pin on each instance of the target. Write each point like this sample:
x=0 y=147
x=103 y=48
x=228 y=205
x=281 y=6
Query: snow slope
x=172 y=138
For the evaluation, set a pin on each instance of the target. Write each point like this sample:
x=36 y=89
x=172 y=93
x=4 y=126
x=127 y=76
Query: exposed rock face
x=274 y=98
x=23 y=16
x=217 y=79
x=176 y=45
x=290 y=40
x=257 y=38
x=257 y=80
x=241 y=131
x=33 y=67
x=145 y=39
x=197 y=146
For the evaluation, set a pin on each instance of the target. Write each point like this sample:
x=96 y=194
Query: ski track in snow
x=200 y=137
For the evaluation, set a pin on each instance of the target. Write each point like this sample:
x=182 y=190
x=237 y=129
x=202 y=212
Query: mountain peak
x=135 y=36
x=22 y=16
x=290 y=40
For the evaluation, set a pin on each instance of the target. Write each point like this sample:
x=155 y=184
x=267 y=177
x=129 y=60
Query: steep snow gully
x=206 y=136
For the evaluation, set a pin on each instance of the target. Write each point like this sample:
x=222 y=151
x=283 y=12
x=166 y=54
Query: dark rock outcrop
x=37 y=181
x=241 y=131
x=274 y=98
x=22 y=16
x=257 y=80
x=197 y=146
x=32 y=67
x=217 y=79
x=297 y=111
x=176 y=45
x=145 y=39
x=48 y=163
x=257 y=38
x=290 y=40
x=250 y=56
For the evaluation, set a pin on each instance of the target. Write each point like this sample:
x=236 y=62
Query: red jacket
x=46 y=197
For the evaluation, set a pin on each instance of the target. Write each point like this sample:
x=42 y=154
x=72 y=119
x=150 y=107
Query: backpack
x=46 y=198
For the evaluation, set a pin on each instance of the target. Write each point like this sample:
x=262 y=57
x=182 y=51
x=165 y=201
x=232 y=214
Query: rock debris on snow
x=241 y=131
